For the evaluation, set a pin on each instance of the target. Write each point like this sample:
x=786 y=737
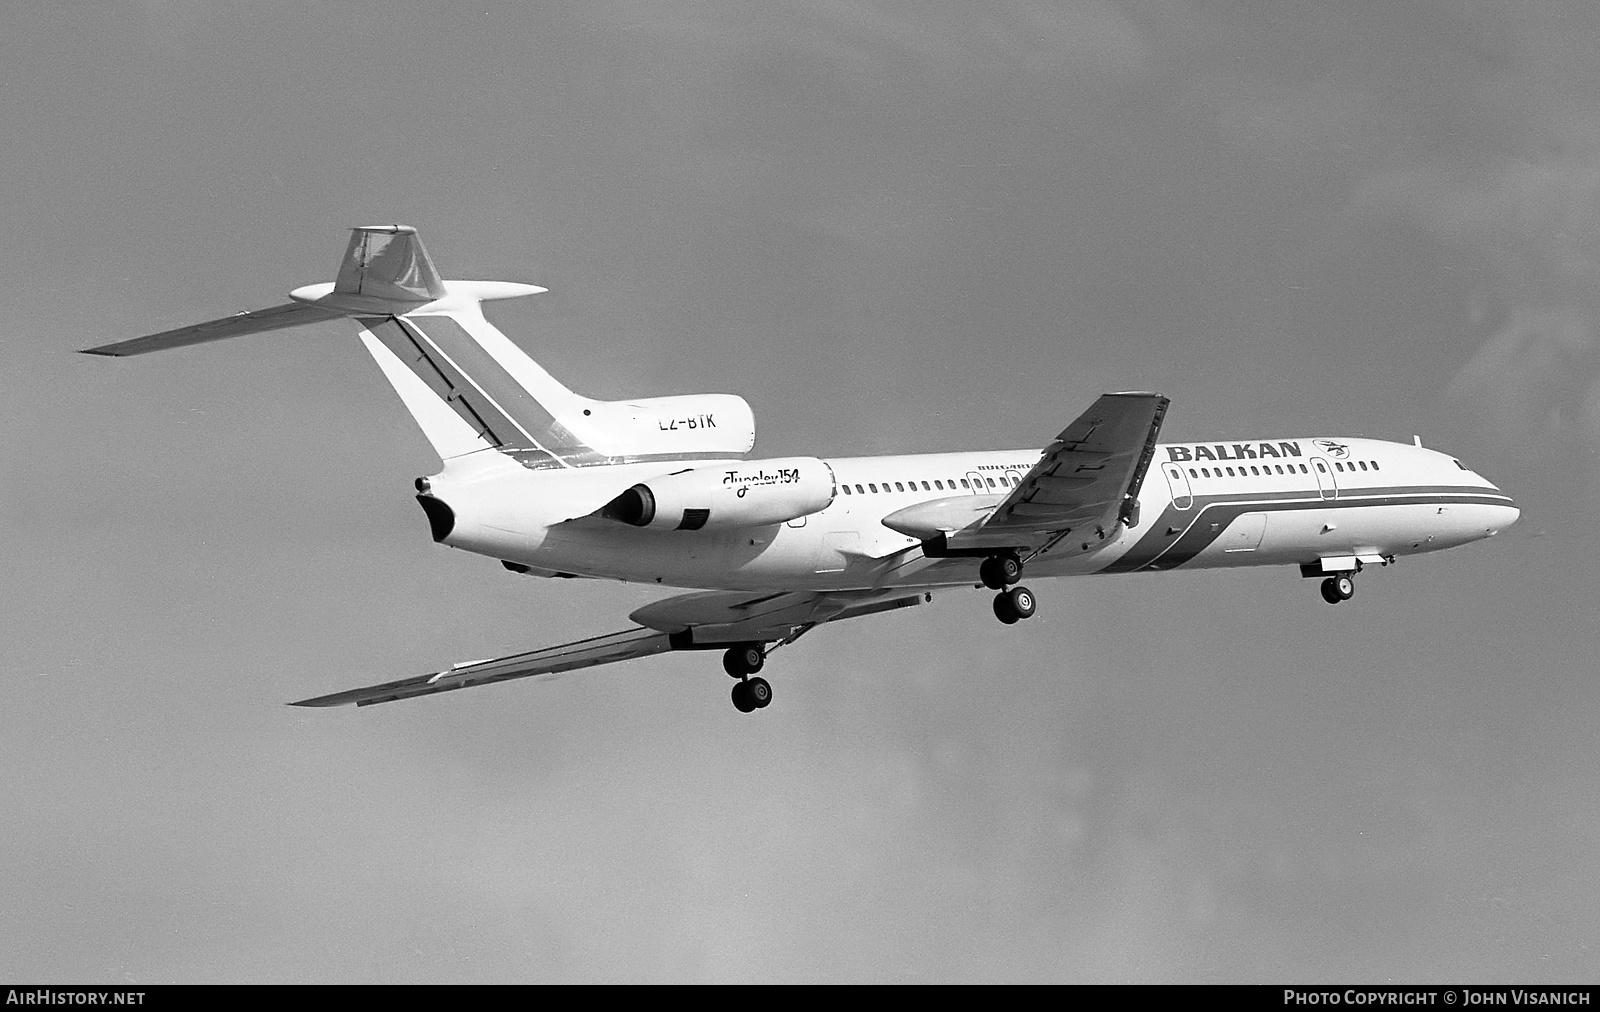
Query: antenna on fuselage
x=1418 y=440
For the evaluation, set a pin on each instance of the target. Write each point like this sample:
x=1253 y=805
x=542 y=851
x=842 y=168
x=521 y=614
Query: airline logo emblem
x=1334 y=449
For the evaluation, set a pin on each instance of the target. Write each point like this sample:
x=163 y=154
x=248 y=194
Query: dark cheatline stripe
x=1157 y=551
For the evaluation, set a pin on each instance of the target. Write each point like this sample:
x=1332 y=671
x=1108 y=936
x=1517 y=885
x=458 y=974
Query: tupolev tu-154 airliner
x=659 y=490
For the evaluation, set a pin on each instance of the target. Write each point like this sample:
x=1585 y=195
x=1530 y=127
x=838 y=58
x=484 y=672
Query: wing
x=551 y=660
x=290 y=314
x=690 y=622
x=1086 y=483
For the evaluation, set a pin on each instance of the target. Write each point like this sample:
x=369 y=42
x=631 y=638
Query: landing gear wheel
x=758 y=692
x=1000 y=571
x=1003 y=610
x=1023 y=603
x=1338 y=588
x=751 y=695
x=744 y=659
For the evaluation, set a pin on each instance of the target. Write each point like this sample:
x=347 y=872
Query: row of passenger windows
x=1207 y=472
x=938 y=485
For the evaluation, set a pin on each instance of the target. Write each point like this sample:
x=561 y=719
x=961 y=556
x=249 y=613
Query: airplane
x=660 y=490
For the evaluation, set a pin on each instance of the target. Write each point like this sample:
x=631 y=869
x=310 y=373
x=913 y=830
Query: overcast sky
x=891 y=228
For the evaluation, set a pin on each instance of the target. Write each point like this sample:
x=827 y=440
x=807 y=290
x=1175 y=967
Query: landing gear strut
x=742 y=661
x=1339 y=587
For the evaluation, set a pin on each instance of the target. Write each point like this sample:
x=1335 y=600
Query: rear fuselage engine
x=746 y=493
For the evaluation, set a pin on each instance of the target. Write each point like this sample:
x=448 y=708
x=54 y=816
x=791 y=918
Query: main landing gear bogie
x=741 y=662
x=1339 y=587
x=1002 y=572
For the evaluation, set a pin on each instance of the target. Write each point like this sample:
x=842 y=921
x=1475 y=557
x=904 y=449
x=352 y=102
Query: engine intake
x=441 y=518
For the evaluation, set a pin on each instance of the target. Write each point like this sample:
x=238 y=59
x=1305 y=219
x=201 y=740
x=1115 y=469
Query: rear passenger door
x=1327 y=487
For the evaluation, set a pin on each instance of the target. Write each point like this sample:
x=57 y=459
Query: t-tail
x=468 y=386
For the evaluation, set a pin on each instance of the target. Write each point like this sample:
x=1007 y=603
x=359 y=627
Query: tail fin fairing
x=388 y=262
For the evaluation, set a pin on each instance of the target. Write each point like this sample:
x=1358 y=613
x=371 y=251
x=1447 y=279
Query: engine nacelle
x=748 y=493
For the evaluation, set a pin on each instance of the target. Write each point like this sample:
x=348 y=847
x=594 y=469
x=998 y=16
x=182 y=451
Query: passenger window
x=991 y=482
x=1192 y=473
x=925 y=487
x=1254 y=470
x=1363 y=465
x=1324 y=470
x=872 y=486
x=1375 y=465
x=964 y=483
x=899 y=487
x=1230 y=472
x=938 y=485
x=861 y=490
x=846 y=489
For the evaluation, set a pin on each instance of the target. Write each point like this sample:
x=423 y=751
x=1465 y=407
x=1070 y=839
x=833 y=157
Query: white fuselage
x=1259 y=503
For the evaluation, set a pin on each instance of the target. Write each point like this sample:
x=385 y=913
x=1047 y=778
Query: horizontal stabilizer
x=290 y=314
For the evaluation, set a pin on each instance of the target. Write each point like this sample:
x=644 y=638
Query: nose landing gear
x=741 y=662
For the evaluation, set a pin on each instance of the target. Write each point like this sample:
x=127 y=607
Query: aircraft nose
x=1503 y=514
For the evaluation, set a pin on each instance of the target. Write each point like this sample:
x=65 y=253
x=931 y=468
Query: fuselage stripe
x=1159 y=551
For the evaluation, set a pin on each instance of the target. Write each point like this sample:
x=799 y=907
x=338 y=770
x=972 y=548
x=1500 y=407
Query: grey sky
x=891 y=228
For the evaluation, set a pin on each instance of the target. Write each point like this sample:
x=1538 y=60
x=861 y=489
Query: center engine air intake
x=749 y=493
